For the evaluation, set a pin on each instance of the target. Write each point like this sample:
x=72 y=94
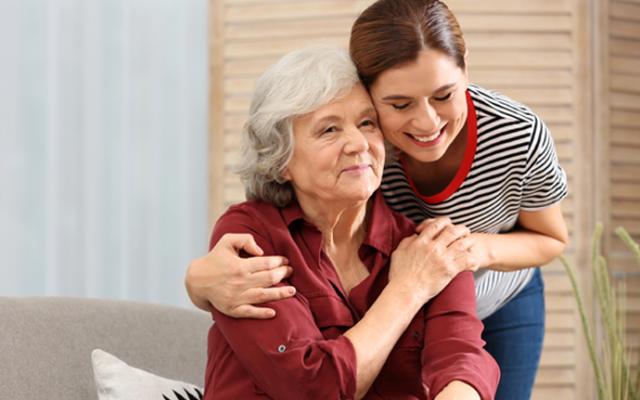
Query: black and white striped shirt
x=510 y=165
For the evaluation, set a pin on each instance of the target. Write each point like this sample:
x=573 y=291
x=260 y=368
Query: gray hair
x=299 y=83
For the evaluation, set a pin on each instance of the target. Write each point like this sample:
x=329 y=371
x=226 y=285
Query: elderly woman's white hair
x=299 y=83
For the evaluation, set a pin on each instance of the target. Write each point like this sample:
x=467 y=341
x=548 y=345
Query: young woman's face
x=422 y=105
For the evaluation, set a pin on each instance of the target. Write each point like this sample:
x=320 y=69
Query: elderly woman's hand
x=233 y=285
x=425 y=263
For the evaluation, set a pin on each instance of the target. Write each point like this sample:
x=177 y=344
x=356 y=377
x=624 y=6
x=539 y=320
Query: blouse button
x=282 y=348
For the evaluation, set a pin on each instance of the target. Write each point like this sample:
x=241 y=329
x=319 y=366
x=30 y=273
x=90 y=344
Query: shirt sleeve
x=287 y=356
x=545 y=182
x=453 y=348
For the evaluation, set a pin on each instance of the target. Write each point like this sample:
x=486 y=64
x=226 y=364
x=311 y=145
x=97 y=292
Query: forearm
x=375 y=335
x=519 y=249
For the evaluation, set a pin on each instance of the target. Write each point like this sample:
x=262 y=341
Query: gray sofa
x=46 y=343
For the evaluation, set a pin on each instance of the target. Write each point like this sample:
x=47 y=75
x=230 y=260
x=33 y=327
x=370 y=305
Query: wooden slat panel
x=625 y=11
x=543 y=96
x=625 y=101
x=626 y=83
x=627 y=208
x=268 y=47
x=314 y=28
x=515 y=23
x=522 y=78
x=512 y=41
x=626 y=137
x=555 y=376
x=510 y=6
x=625 y=119
x=625 y=65
x=631 y=225
x=624 y=47
x=547 y=392
x=276 y=12
x=521 y=59
x=625 y=29
x=625 y=155
x=557 y=359
x=626 y=173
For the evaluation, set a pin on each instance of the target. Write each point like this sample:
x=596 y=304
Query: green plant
x=611 y=363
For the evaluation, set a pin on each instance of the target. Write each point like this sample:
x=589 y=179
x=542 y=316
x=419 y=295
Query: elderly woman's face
x=338 y=151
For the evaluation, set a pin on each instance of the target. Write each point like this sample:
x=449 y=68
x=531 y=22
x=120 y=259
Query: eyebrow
x=330 y=118
x=402 y=97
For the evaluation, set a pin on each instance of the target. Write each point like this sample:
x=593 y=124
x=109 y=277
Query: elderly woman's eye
x=400 y=106
x=368 y=123
x=330 y=129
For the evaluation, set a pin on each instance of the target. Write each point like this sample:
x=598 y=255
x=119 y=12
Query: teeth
x=425 y=139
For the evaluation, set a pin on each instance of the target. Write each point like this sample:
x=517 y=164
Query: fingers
x=269 y=277
x=242 y=241
x=452 y=233
x=253 y=312
x=257 y=264
x=264 y=295
x=462 y=245
x=430 y=228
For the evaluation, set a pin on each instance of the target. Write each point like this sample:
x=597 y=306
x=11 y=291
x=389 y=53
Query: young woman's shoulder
x=495 y=104
x=494 y=108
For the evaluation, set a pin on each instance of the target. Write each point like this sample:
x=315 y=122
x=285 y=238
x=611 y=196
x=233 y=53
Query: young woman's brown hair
x=392 y=32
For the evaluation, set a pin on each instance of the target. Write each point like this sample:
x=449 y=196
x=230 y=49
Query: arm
x=541 y=236
x=453 y=350
x=233 y=285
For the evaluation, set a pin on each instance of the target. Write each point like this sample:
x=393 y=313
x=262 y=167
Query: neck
x=340 y=224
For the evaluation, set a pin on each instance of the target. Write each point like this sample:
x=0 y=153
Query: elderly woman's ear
x=285 y=174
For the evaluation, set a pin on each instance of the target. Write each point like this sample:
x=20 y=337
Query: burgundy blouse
x=302 y=353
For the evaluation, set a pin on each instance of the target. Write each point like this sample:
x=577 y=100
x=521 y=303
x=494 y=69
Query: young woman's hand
x=425 y=263
x=479 y=251
x=234 y=285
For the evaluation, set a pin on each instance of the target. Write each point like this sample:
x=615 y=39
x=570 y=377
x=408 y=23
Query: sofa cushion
x=116 y=380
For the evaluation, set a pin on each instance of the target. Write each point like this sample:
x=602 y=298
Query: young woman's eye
x=444 y=98
x=400 y=106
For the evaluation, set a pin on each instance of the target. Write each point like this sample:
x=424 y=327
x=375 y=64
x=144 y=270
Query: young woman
x=456 y=150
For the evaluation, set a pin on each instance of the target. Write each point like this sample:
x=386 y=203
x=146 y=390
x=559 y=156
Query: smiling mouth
x=428 y=139
x=358 y=167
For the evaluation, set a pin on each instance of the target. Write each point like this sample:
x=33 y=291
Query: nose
x=356 y=141
x=426 y=117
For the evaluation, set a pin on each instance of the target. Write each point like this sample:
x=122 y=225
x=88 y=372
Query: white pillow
x=115 y=380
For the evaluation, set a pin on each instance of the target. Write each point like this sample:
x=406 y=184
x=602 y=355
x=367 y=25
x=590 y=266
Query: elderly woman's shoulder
x=256 y=211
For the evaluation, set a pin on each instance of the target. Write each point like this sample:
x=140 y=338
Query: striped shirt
x=510 y=165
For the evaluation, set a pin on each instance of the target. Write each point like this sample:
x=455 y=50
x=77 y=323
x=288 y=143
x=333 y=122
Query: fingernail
x=292 y=291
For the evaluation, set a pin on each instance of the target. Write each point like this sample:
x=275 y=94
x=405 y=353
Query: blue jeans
x=514 y=336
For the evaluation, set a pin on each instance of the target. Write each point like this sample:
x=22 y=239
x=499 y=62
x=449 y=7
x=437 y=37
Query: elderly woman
x=365 y=321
